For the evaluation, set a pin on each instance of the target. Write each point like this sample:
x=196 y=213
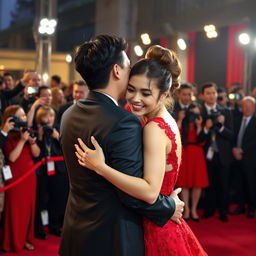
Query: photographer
x=6 y=127
x=43 y=98
x=184 y=96
x=222 y=98
x=19 y=149
x=6 y=95
x=218 y=126
x=52 y=181
x=193 y=173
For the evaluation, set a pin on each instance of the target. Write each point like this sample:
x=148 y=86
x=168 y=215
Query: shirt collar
x=208 y=108
x=182 y=105
x=109 y=97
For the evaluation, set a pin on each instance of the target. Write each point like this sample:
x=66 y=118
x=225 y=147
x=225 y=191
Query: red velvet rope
x=30 y=171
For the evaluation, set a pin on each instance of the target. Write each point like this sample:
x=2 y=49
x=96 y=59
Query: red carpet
x=234 y=238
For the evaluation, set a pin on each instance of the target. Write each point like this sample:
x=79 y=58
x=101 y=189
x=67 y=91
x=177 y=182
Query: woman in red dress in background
x=149 y=86
x=193 y=173
x=19 y=211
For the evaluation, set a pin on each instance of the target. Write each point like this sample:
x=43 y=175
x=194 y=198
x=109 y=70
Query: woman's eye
x=130 y=90
x=146 y=94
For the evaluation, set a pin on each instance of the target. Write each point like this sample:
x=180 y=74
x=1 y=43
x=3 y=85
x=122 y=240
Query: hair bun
x=169 y=60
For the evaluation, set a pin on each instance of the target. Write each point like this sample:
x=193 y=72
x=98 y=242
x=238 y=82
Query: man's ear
x=116 y=71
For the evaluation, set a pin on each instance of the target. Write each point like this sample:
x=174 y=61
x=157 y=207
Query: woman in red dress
x=149 y=86
x=193 y=173
x=19 y=211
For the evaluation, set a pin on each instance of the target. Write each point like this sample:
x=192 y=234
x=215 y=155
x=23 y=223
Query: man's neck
x=106 y=93
x=210 y=105
x=109 y=93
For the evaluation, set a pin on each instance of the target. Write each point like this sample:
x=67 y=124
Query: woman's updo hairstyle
x=162 y=66
x=169 y=60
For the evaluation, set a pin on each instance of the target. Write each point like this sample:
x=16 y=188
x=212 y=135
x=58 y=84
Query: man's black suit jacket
x=100 y=219
x=249 y=139
x=223 y=139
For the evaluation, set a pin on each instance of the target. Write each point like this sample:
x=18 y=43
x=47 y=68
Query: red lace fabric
x=172 y=239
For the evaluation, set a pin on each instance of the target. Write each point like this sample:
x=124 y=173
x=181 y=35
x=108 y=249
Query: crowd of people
x=30 y=120
x=219 y=143
x=217 y=128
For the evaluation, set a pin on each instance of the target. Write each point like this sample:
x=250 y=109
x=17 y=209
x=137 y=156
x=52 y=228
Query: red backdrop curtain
x=235 y=56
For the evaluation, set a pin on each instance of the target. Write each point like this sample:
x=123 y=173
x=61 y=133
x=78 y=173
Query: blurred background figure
x=80 y=91
x=58 y=98
x=19 y=212
x=55 y=81
x=193 y=173
x=244 y=151
x=222 y=98
x=8 y=80
x=184 y=98
x=218 y=125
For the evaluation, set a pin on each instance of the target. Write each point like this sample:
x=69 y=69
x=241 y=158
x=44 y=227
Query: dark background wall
x=211 y=58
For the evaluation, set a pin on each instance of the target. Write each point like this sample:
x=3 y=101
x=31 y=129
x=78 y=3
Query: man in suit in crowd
x=80 y=91
x=100 y=219
x=184 y=96
x=244 y=151
x=218 y=151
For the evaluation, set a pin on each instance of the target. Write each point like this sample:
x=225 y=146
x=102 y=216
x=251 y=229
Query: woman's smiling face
x=143 y=96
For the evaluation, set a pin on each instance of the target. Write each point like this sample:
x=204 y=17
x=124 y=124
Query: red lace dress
x=172 y=239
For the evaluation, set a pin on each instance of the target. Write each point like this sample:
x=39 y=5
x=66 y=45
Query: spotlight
x=68 y=58
x=47 y=26
x=45 y=77
x=244 y=38
x=210 y=31
x=138 y=50
x=212 y=34
x=145 y=39
x=182 y=44
x=208 y=28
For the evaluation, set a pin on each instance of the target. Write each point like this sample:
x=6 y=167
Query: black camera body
x=18 y=124
x=191 y=116
x=22 y=126
x=214 y=117
x=48 y=130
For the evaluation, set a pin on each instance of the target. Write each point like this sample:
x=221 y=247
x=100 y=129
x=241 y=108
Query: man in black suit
x=100 y=219
x=218 y=151
x=184 y=95
x=244 y=151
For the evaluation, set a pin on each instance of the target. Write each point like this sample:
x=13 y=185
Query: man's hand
x=221 y=119
x=27 y=75
x=237 y=153
x=208 y=124
x=179 y=206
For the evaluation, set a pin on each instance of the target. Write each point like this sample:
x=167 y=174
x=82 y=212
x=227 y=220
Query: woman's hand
x=31 y=140
x=8 y=125
x=55 y=134
x=92 y=159
x=24 y=136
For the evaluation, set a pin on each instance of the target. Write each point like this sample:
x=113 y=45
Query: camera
x=48 y=130
x=18 y=124
x=214 y=117
x=24 y=125
x=235 y=96
x=191 y=116
x=220 y=98
x=32 y=90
